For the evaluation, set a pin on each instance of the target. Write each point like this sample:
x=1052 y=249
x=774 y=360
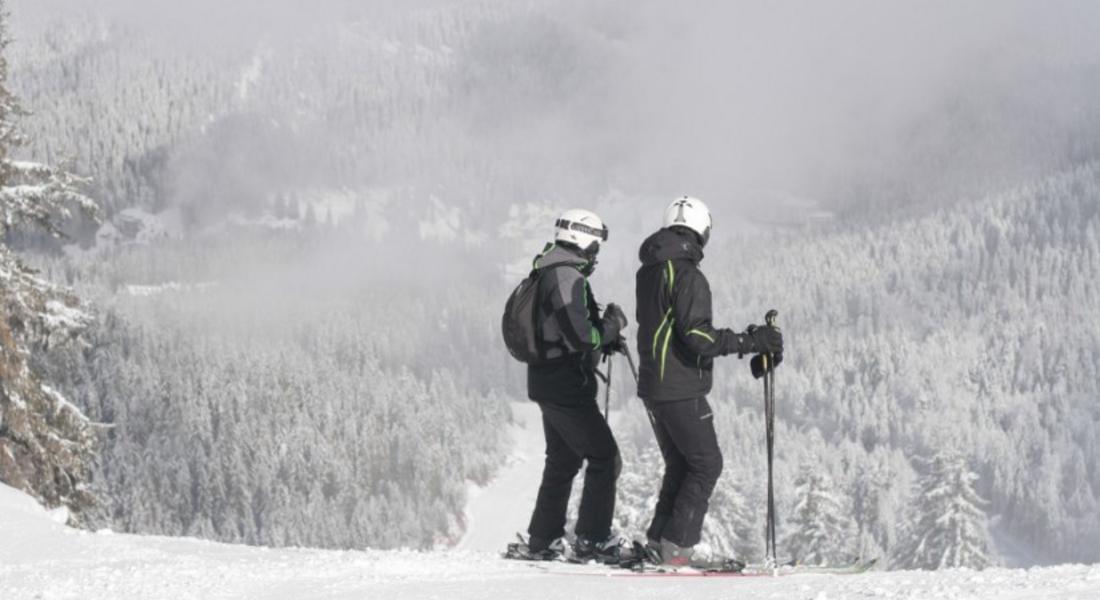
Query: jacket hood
x=670 y=244
x=556 y=255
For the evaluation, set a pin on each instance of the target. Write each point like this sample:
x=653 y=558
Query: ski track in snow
x=42 y=559
x=497 y=512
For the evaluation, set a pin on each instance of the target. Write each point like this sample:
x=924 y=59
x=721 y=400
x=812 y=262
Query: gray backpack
x=520 y=325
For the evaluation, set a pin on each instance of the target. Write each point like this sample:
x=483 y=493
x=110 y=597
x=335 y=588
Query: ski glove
x=767 y=339
x=756 y=365
x=614 y=321
x=755 y=340
x=616 y=347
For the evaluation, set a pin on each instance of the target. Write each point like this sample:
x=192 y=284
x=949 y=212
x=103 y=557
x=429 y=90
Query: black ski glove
x=616 y=347
x=767 y=339
x=614 y=321
x=756 y=365
x=755 y=340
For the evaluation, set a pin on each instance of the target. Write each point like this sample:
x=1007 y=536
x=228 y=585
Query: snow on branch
x=40 y=195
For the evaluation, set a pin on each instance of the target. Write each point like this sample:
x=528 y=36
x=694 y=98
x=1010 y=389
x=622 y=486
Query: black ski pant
x=693 y=462
x=576 y=432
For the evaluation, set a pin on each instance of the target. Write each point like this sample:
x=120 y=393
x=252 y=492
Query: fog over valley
x=310 y=215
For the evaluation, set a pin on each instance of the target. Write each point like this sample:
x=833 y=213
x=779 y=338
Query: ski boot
x=605 y=552
x=535 y=548
x=667 y=554
x=664 y=556
x=633 y=557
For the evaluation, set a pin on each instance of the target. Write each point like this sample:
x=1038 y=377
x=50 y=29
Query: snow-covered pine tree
x=732 y=527
x=45 y=442
x=820 y=532
x=879 y=492
x=637 y=488
x=949 y=527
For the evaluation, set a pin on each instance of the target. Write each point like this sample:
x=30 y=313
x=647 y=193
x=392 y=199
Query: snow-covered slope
x=40 y=558
x=496 y=512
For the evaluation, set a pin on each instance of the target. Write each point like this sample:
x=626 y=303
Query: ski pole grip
x=769 y=318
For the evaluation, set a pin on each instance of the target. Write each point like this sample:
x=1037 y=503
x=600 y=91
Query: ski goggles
x=581 y=227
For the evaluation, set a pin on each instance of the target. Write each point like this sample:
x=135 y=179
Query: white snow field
x=41 y=559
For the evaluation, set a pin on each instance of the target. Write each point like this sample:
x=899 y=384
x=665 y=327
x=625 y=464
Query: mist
x=323 y=205
x=745 y=104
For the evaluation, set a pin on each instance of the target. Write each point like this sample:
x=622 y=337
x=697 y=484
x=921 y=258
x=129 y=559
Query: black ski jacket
x=571 y=328
x=677 y=342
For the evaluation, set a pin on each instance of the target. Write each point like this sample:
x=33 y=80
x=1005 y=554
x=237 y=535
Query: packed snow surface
x=43 y=559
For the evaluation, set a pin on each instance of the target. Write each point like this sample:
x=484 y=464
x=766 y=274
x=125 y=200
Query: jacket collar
x=555 y=255
x=670 y=244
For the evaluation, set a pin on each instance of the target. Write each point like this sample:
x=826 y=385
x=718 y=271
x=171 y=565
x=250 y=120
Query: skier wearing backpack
x=678 y=344
x=570 y=335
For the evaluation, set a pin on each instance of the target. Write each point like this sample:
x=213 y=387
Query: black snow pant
x=693 y=462
x=576 y=433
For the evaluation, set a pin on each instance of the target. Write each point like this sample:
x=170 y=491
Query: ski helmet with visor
x=582 y=229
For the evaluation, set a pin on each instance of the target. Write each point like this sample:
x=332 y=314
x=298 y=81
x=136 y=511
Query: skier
x=570 y=328
x=678 y=344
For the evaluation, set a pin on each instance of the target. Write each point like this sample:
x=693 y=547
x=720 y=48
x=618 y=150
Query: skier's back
x=678 y=343
x=573 y=335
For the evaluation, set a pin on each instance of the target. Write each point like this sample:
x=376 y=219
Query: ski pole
x=630 y=361
x=769 y=550
x=769 y=416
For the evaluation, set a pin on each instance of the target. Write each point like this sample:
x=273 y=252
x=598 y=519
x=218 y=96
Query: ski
x=601 y=570
x=794 y=568
x=760 y=570
x=634 y=562
x=594 y=569
x=681 y=572
x=854 y=568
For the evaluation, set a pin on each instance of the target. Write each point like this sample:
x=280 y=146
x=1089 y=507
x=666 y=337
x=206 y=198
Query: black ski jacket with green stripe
x=676 y=340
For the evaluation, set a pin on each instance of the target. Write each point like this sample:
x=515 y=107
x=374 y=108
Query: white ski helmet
x=691 y=213
x=581 y=228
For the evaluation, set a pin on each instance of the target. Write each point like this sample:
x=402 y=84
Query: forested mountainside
x=489 y=103
x=428 y=101
x=971 y=331
x=293 y=409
